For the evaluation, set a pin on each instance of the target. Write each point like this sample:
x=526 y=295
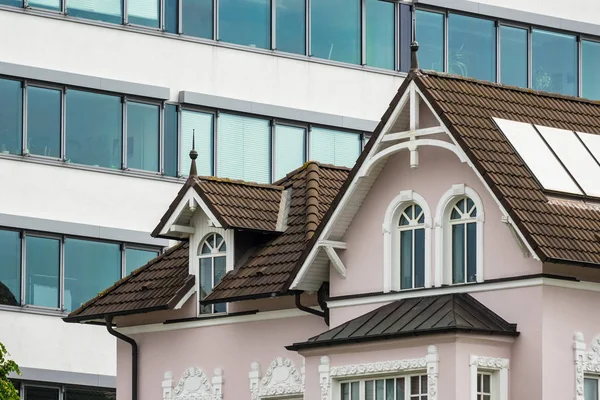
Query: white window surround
x=498 y=367
x=391 y=251
x=282 y=379
x=586 y=362
x=330 y=376
x=443 y=258
x=194 y=384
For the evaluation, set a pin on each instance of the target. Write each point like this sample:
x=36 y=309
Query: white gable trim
x=190 y=200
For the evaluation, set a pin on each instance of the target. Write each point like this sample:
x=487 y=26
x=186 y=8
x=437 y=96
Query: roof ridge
x=311 y=196
x=530 y=91
x=125 y=279
x=304 y=166
x=239 y=182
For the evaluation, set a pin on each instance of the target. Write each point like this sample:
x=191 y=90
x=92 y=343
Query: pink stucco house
x=458 y=260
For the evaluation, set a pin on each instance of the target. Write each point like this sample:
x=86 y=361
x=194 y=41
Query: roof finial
x=414 y=47
x=193 y=155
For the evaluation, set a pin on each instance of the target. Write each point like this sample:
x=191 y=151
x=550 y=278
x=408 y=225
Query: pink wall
x=438 y=170
x=230 y=347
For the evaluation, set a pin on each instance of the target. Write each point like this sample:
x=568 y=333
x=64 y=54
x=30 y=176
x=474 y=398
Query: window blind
x=334 y=147
x=200 y=124
x=289 y=149
x=243 y=148
x=142 y=12
x=110 y=7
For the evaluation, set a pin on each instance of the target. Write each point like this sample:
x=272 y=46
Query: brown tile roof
x=158 y=285
x=270 y=268
x=557 y=230
x=427 y=315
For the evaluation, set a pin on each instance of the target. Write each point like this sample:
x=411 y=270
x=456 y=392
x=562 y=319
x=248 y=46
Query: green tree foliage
x=7 y=390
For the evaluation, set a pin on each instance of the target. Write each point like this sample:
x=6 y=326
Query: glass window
x=49 y=4
x=484 y=386
x=11 y=116
x=142 y=136
x=10 y=268
x=243 y=148
x=42 y=258
x=289 y=149
x=335 y=30
x=90 y=267
x=170 y=140
x=143 y=12
x=41 y=393
x=72 y=393
x=513 y=56
x=198 y=125
x=380 y=34
x=334 y=147
x=246 y=22
x=590 y=59
x=464 y=241
x=430 y=35
x=212 y=269
x=43 y=121
x=554 y=62
x=135 y=258
x=171 y=16
x=94 y=125
x=291 y=26
x=99 y=10
x=411 y=226
x=15 y=3
x=468 y=54
x=590 y=388
x=386 y=388
x=197 y=18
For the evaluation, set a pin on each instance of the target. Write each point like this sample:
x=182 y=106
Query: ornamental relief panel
x=194 y=385
x=281 y=379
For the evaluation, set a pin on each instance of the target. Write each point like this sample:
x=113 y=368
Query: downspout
x=322 y=294
x=134 y=356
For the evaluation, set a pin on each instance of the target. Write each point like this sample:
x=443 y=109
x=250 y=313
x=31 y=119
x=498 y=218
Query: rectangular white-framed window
x=489 y=378
x=401 y=387
x=590 y=387
x=484 y=386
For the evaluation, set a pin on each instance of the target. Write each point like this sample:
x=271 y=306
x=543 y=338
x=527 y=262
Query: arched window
x=463 y=248
x=411 y=227
x=212 y=269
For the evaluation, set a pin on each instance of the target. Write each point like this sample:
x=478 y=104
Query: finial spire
x=414 y=47
x=193 y=155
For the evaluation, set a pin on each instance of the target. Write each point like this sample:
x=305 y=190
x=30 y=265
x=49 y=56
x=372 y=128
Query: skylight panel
x=575 y=157
x=538 y=156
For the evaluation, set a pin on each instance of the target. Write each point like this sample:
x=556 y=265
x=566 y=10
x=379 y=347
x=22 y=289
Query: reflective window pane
x=289 y=149
x=89 y=394
x=468 y=54
x=205 y=282
x=406 y=255
x=11 y=116
x=90 y=267
x=380 y=34
x=198 y=125
x=143 y=12
x=41 y=393
x=219 y=273
x=471 y=252
x=243 y=148
x=142 y=136
x=10 y=268
x=291 y=26
x=171 y=15
x=48 y=4
x=335 y=31
x=135 y=258
x=334 y=147
x=419 y=257
x=430 y=35
x=246 y=22
x=590 y=60
x=513 y=56
x=590 y=388
x=94 y=129
x=197 y=18
x=554 y=62
x=43 y=121
x=458 y=253
x=42 y=271
x=99 y=10
x=14 y=3
x=170 y=140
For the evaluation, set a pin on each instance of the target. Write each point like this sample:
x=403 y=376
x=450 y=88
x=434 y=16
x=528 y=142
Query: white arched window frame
x=391 y=238
x=212 y=255
x=443 y=228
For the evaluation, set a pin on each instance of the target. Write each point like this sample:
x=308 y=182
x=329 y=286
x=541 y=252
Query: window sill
x=33 y=310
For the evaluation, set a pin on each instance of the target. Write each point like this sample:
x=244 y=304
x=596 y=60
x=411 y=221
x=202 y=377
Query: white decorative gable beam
x=281 y=379
x=391 y=137
x=194 y=385
x=182 y=229
x=190 y=201
x=329 y=246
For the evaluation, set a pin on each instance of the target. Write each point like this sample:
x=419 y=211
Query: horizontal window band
x=65 y=377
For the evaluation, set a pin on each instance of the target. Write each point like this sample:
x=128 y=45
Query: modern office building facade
x=100 y=99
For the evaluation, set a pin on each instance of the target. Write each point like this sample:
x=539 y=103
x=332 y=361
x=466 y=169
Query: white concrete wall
x=39 y=341
x=577 y=10
x=182 y=65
